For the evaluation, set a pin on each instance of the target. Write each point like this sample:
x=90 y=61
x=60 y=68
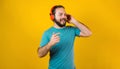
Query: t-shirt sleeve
x=77 y=31
x=44 y=39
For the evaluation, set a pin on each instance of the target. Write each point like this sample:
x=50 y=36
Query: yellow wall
x=22 y=23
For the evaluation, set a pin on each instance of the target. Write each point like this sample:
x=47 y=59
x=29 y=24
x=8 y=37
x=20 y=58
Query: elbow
x=39 y=53
x=88 y=34
x=40 y=56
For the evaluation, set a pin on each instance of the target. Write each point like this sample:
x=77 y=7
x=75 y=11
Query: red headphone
x=51 y=14
x=52 y=17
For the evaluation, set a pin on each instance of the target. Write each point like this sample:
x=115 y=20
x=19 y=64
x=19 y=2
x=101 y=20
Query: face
x=60 y=17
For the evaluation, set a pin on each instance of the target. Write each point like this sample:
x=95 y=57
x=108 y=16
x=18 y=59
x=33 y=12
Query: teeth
x=63 y=20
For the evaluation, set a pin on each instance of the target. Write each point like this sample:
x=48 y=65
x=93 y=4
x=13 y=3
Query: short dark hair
x=55 y=7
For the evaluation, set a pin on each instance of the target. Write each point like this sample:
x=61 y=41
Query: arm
x=85 y=31
x=42 y=51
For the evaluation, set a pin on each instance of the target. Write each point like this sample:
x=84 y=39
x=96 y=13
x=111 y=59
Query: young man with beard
x=59 y=39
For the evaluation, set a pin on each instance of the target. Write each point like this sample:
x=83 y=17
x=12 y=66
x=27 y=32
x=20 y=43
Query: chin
x=63 y=23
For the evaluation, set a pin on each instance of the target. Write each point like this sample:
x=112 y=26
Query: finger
x=56 y=34
x=56 y=39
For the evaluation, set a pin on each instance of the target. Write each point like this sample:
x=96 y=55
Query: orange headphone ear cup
x=52 y=17
x=51 y=14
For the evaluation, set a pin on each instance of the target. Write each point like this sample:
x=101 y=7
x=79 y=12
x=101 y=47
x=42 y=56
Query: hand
x=72 y=20
x=54 y=39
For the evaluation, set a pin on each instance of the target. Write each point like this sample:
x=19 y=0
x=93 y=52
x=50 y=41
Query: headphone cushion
x=52 y=17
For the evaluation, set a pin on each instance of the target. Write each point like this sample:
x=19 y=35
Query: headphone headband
x=52 y=11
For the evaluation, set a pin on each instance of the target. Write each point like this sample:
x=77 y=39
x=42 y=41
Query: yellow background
x=22 y=23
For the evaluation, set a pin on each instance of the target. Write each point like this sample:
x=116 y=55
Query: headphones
x=51 y=14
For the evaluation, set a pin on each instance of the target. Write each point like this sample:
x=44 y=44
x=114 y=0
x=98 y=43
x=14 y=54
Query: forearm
x=84 y=29
x=42 y=51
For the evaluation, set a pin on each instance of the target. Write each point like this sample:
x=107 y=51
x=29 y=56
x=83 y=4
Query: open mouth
x=63 y=20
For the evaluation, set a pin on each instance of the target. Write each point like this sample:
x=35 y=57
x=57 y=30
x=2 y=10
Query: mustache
x=63 y=19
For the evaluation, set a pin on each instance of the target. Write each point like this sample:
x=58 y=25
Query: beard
x=59 y=24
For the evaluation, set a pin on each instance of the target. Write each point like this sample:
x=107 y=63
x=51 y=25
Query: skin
x=60 y=16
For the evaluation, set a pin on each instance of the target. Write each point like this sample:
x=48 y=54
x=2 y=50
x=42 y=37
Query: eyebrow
x=61 y=13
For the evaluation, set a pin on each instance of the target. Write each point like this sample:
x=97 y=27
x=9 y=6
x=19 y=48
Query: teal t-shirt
x=62 y=53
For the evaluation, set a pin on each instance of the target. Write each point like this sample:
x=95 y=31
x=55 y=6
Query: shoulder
x=48 y=31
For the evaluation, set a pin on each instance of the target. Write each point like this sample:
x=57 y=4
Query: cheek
x=57 y=18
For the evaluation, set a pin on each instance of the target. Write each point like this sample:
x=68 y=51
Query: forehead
x=60 y=10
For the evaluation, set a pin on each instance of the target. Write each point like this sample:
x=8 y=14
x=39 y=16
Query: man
x=59 y=39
